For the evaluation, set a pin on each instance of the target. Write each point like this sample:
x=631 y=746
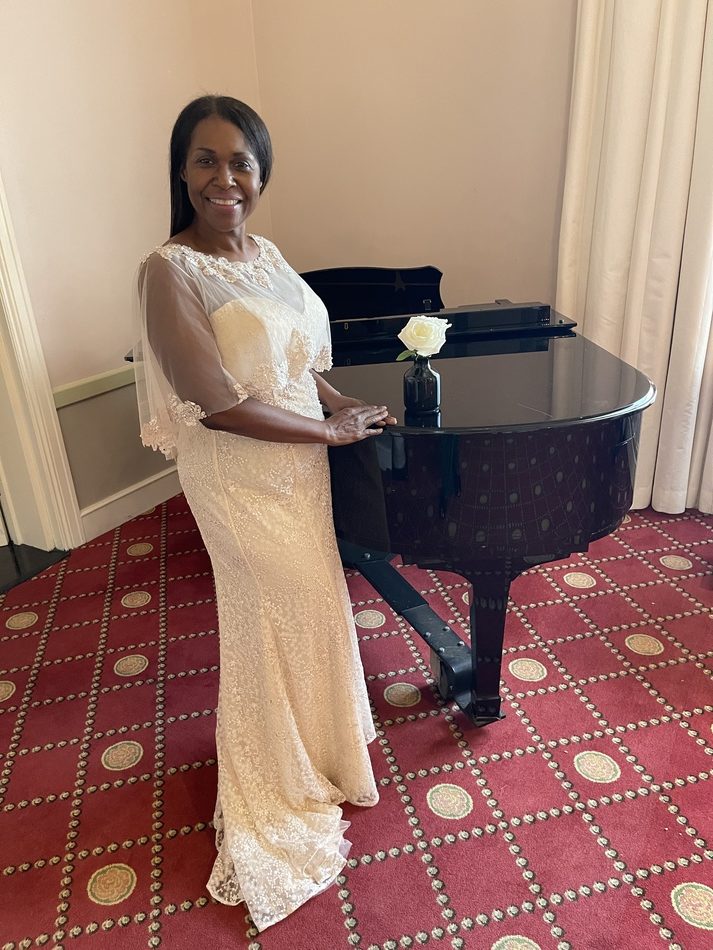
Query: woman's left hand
x=338 y=402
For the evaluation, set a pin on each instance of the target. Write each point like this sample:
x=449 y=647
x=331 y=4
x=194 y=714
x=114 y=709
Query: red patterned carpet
x=583 y=820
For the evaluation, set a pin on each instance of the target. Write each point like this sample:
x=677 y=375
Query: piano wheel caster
x=453 y=680
x=485 y=713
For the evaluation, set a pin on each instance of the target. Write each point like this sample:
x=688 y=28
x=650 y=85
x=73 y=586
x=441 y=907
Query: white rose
x=424 y=335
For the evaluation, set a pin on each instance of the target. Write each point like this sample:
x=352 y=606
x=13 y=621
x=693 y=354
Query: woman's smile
x=224 y=206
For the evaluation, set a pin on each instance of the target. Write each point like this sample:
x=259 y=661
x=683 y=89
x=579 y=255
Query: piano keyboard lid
x=501 y=317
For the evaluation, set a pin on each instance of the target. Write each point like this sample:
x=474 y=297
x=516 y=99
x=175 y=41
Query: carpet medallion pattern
x=582 y=821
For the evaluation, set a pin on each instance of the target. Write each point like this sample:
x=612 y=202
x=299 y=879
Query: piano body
x=531 y=457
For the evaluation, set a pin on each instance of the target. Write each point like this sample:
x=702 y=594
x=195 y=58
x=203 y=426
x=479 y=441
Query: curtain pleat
x=637 y=222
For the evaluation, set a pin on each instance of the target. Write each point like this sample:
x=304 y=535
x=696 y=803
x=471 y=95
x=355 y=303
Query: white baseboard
x=106 y=514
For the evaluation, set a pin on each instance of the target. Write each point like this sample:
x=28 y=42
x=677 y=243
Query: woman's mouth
x=224 y=202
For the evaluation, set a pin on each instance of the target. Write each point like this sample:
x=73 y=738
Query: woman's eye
x=204 y=161
x=243 y=166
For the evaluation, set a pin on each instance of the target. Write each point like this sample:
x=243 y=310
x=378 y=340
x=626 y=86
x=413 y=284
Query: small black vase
x=422 y=387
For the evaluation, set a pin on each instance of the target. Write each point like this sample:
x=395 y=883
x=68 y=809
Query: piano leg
x=469 y=678
x=488 y=609
x=450 y=656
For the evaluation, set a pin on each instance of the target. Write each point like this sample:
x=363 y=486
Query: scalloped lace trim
x=162 y=436
x=159 y=438
x=189 y=413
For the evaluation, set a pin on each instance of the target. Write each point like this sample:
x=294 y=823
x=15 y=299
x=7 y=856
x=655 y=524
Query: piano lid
x=503 y=385
x=349 y=292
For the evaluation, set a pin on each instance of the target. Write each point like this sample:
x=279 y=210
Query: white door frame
x=39 y=500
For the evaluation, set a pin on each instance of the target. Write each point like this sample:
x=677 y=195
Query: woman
x=228 y=379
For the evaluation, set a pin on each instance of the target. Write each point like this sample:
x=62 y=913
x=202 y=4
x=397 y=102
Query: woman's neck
x=233 y=245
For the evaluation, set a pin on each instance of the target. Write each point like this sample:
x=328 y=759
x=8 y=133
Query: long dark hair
x=232 y=110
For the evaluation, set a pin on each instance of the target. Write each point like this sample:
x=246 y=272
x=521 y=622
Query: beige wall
x=410 y=132
x=89 y=90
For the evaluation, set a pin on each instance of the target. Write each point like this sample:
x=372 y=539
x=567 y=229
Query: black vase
x=423 y=420
x=422 y=387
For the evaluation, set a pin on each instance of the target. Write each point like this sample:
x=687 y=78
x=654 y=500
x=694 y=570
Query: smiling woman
x=232 y=342
x=205 y=128
x=223 y=183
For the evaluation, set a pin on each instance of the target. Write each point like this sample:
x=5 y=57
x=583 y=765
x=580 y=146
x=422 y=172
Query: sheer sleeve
x=180 y=378
x=322 y=361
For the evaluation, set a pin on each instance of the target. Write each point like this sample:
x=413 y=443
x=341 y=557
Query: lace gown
x=293 y=719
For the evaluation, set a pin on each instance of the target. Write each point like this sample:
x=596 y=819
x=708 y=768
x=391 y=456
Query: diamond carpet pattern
x=583 y=820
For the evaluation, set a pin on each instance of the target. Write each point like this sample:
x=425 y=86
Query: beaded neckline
x=173 y=245
x=259 y=270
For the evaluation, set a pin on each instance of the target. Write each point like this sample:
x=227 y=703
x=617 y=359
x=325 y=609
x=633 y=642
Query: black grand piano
x=531 y=457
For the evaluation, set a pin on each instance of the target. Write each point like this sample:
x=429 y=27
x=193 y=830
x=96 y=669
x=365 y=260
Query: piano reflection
x=532 y=457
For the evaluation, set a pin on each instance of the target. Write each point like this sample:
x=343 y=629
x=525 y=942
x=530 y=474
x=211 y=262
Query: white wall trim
x=106 y=514
x=89 y=387
x=38 y=490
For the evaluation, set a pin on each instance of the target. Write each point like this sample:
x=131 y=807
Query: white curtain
x=636 y=240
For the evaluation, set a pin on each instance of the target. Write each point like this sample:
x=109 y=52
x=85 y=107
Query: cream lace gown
x=293 y=719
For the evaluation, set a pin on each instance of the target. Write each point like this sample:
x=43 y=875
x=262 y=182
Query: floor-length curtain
x=636 y=240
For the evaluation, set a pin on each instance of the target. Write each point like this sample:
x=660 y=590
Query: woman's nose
x=224 y=177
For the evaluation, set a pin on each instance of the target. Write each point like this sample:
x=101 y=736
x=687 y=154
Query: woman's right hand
x=355 y=423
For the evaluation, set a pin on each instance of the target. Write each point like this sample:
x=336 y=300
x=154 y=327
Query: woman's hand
x=337 y=402
x=355 y=422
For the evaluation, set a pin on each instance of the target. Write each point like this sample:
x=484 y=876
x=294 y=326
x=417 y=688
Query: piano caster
x=454 y=684
x=452 y=670
x=485 y=711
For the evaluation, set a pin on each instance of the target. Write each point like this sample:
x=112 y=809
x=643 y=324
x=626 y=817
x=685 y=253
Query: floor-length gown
x=293 y=718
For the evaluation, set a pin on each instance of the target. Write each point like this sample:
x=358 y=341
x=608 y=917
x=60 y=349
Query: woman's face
x=221 y=174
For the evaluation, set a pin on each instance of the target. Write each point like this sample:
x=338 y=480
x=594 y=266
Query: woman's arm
x=257 y=420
